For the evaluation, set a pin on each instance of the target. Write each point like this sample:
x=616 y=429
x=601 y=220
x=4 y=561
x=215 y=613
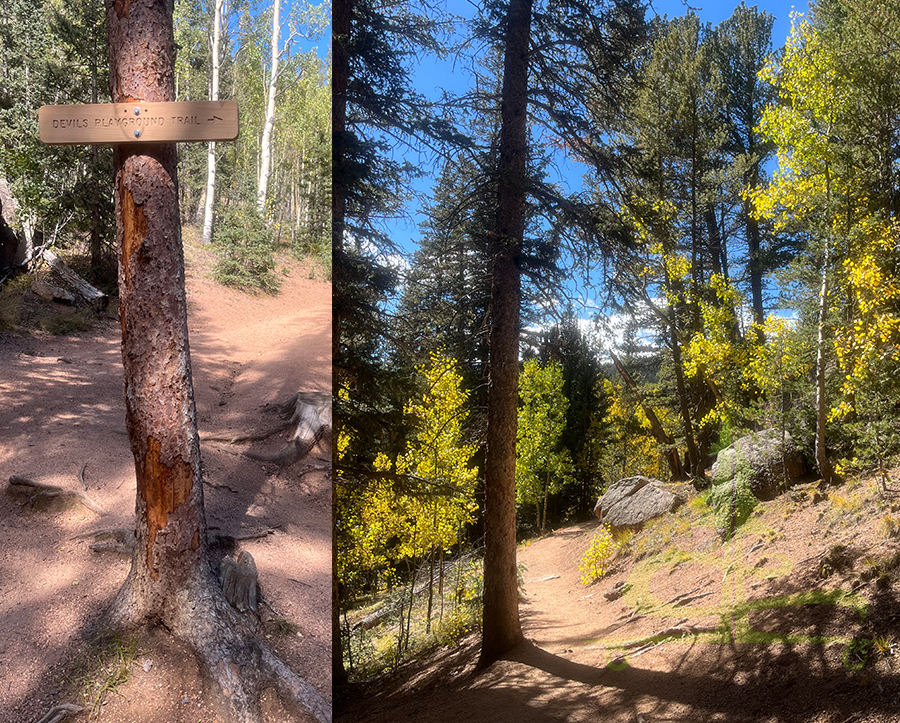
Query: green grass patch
x=101 y=669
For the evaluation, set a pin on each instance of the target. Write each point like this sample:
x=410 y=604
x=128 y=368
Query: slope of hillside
x=795 y=619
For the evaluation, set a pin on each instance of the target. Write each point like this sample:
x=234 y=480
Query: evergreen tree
x=584 y=434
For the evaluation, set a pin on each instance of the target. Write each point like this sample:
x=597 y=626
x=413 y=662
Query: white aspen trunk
x=211 y=151
x=265 y=148
x=822 y=461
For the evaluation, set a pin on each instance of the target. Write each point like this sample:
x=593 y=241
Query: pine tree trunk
x=340 y=64
x=502 y=630
x=171 y=581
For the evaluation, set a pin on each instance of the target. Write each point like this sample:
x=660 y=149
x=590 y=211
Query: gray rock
x=770 y=464
x=632 y=501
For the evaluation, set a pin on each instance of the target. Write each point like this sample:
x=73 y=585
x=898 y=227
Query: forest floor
x=62 y=411
x=796 y=619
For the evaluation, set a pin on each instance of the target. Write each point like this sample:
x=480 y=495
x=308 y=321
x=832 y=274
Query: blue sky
x=432 y=77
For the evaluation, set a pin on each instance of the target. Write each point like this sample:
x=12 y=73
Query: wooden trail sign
x=138 y=122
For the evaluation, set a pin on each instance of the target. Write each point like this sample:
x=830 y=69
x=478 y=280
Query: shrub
x=245 y=251
x=593 y=563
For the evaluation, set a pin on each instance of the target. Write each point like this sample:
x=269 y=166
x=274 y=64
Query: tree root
x=674 y=632
x=121 y=539
x=43 y=491
x=117 y=539
x=309 y=421
x=241 y=665
x=57 y=713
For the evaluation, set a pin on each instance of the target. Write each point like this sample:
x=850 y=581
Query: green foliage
x=458 y=612
x=433 y=499
x=631 y=449
x=835 y=87
x=593 y=563
x=245 y=252
x=69 y=321
x=54 y=53
x=543 y=466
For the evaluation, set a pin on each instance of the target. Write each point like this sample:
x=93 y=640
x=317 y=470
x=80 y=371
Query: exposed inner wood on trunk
x=134 y=226
x=163 y=489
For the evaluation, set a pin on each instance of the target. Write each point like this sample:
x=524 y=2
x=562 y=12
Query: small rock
x=616 y=591
x=185 y=700
x=146 y=665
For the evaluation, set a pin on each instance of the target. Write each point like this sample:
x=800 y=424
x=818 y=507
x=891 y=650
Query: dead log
x=49 y=292
x=89 y=293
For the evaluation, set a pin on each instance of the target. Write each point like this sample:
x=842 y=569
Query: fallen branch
x=645 y=645
x=691 y=598
x=669 y=632
x=246 y=437
x=251 y=535
x=119 y=540
x=42 y=491
x=57 y=713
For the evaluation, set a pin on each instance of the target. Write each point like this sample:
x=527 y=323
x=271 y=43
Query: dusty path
x=764 y=632
x=61 y=407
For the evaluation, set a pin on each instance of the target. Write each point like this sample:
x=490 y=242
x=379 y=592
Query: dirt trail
x=760 y=629
x=61 y=407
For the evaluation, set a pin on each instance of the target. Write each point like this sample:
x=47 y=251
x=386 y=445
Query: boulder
x=632 y=501
x=769 y=463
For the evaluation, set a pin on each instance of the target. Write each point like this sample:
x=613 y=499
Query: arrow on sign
x=215 y=118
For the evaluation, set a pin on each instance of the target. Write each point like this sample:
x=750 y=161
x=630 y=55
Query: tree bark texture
x=502 y=630
x=159 y=396
x=340 y=64
x=171 y=579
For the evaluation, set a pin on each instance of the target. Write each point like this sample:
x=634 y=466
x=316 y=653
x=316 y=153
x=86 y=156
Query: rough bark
x=171 y=581
x=690 y=441
x=340 y=23
x=502 y=630
x=754 y=270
